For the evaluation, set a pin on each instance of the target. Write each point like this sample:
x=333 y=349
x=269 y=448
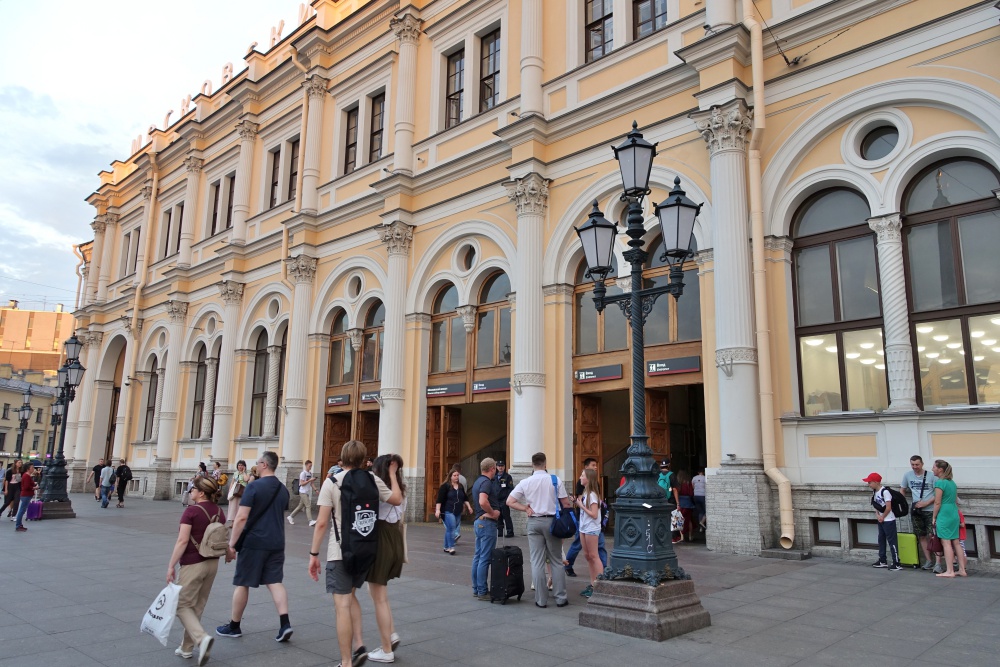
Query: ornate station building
x=368 y=232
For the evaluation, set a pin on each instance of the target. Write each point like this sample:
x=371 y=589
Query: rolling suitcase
x=506 y=574
x=909 y=555
x=34 y=512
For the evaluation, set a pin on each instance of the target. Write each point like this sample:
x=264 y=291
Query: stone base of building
x=520 y=471
x=156 y=482
x=741 y=509
x=288 y=472
x=639 y=610
x=77 y=481
x=415 y=499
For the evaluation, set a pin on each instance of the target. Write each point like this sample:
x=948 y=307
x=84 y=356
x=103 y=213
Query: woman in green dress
x=946 y=518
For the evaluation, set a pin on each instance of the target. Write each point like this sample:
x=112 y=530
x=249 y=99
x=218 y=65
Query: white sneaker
x=204 y=648
x=378 y=655
x=290 y=520
x=312 y=523
x=180 y=652
x=394 y=641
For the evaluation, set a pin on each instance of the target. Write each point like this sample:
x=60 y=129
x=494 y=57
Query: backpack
x=223 y=480
x=126 y=474
x=215 y=541
x=900 y=507
x=359 y=499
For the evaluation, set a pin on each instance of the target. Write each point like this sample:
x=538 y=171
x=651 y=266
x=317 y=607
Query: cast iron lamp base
x=636 y=609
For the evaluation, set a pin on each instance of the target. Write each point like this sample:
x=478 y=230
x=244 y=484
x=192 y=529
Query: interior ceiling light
x=953 y=346
x=996 y=321
x=989 y=341
x=881 y=367
x=933 y=355
x=813 y=342
x=944 y=361
x=867 y=362
x=927 y=329
x=852 y=355
x=978 y=357
x=977 y=334
x=866 y=346
x=941 y=338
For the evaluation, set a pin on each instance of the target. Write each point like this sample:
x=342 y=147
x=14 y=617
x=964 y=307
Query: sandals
x=120 y=505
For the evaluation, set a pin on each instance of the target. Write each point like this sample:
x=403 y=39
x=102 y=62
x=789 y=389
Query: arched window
x=258 y=390
x=341 y=353
x=597 y=332
x=951 y=220
x=198 y=405
x=281 y=381
x=152 y=386
x=493 y=323
x=447 y=333
x=672 y=320
x=371 y=360
x=838 y=312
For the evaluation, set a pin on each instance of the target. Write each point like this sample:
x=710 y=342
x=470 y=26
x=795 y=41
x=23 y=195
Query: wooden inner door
x=443 y=449
x=658 y=423
x=586 y=431
x=336 y=431
x=367 y=431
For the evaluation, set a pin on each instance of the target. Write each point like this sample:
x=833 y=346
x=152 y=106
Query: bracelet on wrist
x=314 y=554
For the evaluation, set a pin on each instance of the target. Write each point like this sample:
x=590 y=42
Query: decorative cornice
x=703 y=257
x=247 y=130
x=736 y=355
x=126 y=322
x=147 y=191
x=558 y=289
x=392 y=393
x=528 y=380
x=725 y=127
x=109 y=219
x=316 y=86
x=92 y=339
x=357 y=338
x=529 y=194
x=302 y=268
x=468 y=314
x=231 y=292
x=888 y=228
x=193 y=164
x=406 y=28
x=177 y=310
x=782 y=244
x=397 y=237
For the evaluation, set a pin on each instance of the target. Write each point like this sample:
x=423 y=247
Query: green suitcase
x=909 y=556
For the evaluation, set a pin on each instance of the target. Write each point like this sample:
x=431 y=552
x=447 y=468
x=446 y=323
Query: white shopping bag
x=159 y=618
x=676 y=521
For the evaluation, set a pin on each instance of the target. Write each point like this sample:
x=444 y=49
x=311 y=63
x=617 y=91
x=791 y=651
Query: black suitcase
x=506 y=574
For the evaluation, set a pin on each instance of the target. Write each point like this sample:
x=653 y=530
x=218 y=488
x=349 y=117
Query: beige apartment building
x=368 y=232
x=32 y=340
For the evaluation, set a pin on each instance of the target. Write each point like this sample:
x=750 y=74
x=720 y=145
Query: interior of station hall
x=343 y=242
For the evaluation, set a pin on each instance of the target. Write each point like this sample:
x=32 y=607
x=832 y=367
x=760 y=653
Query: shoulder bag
x=564 y=523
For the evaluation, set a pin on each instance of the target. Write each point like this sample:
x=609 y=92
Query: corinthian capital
x=302 y=268
x=231 y=292
x=177 y=310
x=357 y=338
x=887 y=227
x=315 y=85
x=193 y=164
x=529 y=194
x=397 y=236
x=92 y=339
x=406 y=28
x=468 y=314
x=147 y=191
x=98 y=225
x=725 y=127
x=247 y=130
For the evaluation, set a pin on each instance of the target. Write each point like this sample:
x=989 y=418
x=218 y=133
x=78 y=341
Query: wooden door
x=109 y=443
x=336 y=431
x=368 y=432
x=586 y=431
x=658 y=423
x=432 y=459
x=452 y=438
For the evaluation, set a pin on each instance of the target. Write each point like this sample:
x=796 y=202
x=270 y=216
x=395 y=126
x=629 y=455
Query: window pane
x=820 y=374
x=859 y=296
x=348 y=362
x=368 y=358
x=458 y=337
x=940 y=352
x=496 y=288
x=879 y=142
x=503 y=344
x=484 y=339
x=689 y=308
x=836 y=209
x=439 y=350
x=260 y=372
x=980 y=241
x=381 y=346
x=336 y=361
x=586 y=324
x=657 y=330
x=864 y=364
x=984 y=331
x=376 y=316
x=815 y=285
x=951 y=183
x=932 y=266
x=447 y=300
x=616 y=329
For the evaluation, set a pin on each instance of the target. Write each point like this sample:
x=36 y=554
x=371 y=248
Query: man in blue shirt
x=486 y=511
x=919 y=485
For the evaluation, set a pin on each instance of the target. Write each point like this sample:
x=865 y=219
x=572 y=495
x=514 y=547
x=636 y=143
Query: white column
x=726 y=129
x=110 y=220
x=397 y=237
x=271 y=400
x=85 y=396
x=316 y=85
x=222 y=433
x=531 y=57
x=241 y=198
x=193 y=165
x=94 y=271
x=302 y=269
x=719 y=14
x=208 y=408
x=168 y=389
x=895 y=317
x=407 y=30
x=530 y=196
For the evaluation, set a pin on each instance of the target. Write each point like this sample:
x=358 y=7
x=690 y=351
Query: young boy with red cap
x=882 y=502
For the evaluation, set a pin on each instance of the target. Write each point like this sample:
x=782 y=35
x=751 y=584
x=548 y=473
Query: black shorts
x=341 y=582
x=257 y=567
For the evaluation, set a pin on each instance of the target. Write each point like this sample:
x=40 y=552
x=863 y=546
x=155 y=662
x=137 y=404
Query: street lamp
x=70 y=376
x=643 y=550
x=24 y=414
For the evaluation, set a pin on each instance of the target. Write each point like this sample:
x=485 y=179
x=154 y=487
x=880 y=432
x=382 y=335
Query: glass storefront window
x=941 y=357
x=689 y=308
x=864 y=368
x=984 y=333
x=979 y=236
x=814 y=283
x=820 y=374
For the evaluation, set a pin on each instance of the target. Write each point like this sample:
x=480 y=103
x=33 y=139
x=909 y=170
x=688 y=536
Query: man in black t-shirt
x=95 y=474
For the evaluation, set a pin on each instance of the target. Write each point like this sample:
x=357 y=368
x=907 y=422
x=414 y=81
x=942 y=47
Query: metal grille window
x=599 y=29
x=648 y=16
x=351 y=142
x=376 y=129
x=489 y=72
x=456 y=89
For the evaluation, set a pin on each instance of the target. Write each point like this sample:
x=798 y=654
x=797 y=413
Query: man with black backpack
x=352 y=498
x=883 y=500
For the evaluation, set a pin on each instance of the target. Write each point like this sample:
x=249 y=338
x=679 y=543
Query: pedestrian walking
x=505 y=484
x=698 y=482
x=306 y=482
x=486 y=508
x=537 y=496
x=575 y=548
x=346 y=502
x=589 y=502
x=389 y=558
x=123 y=475
x=945 y=519
x=259 y=539
x=27 y=493
x=452 y=501
x=12 y=488
x=107 y=483
x=95 y=474
x=919 y=485
x=240 y=480
x=197 y=572
x=888 y=545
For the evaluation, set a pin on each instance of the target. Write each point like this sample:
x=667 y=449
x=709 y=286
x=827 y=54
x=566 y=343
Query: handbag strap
x=555 y=490
x=250 y=524
x=922 y=485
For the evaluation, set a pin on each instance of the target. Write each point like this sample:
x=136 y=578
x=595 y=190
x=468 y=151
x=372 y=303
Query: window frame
x=274 y=186
x=636 y=24
x=494 y=307
x=376 y=101
x=344 y=339
x=607 y=41
x=198 y=404
x=151 y=391
x=258 y=390
x=378 y=333
x=293 y=169
x=454 y=92
x=167 y=221
x=488 y=55
x=446 y=318
x=351 y=133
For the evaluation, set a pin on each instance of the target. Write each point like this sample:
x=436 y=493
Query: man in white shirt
x=537 y=497
x=306 y=482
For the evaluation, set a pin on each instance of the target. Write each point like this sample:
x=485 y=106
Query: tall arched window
x=951 y=220
x=493 y=323
x=447 y=333
x=152 y=386
x=281 y=382
x=258 y=389
x=597 y=332
x=198 y=405
x=371 y=350
x=672 y=320
x=838 y=312
x=341 y=353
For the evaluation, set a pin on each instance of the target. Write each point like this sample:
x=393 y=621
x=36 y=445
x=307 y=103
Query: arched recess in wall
x=328 y=296
x=251 y=318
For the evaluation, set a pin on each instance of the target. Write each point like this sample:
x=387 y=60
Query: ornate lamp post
x=24 y=414
x=643 y=551
x=70 y=376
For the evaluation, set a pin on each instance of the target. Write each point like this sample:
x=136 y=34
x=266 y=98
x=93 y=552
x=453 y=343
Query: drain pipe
x=765 y=387
x=294 y=54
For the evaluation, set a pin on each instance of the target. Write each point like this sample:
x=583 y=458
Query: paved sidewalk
x=74 y=593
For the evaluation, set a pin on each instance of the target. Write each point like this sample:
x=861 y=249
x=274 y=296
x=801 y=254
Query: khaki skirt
x=389 y=559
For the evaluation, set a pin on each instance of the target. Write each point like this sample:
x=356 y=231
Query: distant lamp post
x=643 y=557
x=24 y=414
x=70 y=376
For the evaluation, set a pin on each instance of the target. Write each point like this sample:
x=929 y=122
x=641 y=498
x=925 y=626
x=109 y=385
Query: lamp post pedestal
x=57 y=502
x=636 y=609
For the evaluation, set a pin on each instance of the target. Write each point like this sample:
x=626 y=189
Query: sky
x=79 y=80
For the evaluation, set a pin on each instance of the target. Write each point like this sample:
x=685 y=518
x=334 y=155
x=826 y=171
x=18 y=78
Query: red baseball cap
x=874 y=477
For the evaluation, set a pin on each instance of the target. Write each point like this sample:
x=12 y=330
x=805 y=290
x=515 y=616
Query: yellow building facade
x=368 y=232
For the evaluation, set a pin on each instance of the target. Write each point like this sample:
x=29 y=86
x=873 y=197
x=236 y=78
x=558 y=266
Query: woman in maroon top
x=27 y=493
x=197 y=573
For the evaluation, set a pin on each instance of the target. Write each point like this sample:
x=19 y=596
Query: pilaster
x=110 y=220
x=302 y=269
x=247 y=130
x=193 y=165
x=222 y=432
x=315 y=85
x=407 y=31
x=398 y=238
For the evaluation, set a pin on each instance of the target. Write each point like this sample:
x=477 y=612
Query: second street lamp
x=23 y=414
x=70 y=375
